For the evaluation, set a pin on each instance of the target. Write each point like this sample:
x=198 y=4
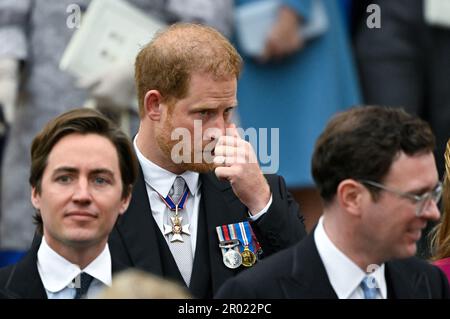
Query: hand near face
x=236 y=162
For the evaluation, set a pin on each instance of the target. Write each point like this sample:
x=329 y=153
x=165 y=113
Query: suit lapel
x=402 y=284
x=221 y=207
x=138 y=230
x=308 y=278
x=24 y=281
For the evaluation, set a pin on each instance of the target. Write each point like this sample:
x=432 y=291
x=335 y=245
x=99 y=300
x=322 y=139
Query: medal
x=248 y=257
x=229 y=246
x=177 y=229
x=232 y=259
x=238 y=239
x=258 y=250
x=245 y=236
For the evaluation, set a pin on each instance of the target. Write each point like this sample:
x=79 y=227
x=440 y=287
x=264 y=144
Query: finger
x=233 y=155
x=226 y=140
x=226 y=150
x=220 y=161
x=226 y=173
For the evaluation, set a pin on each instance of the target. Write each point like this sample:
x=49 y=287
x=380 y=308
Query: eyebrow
x=207 y=108
x=73 y=170
x=422 y=190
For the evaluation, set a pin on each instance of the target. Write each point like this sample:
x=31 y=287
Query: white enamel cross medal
x=176 y=229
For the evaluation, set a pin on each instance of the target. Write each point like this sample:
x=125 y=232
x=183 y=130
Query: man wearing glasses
x=377 y=177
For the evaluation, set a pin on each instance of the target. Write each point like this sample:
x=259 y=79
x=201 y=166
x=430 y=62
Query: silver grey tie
x=181 y=250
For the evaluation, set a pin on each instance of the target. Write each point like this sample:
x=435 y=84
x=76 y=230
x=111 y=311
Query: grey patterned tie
x=181 y=250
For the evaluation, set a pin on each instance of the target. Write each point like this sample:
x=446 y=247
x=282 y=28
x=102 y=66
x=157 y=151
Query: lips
x=81 y=215
x=415 y=233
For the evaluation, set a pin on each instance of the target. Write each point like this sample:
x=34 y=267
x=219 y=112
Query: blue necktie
x=369 y=287
x=82 y=283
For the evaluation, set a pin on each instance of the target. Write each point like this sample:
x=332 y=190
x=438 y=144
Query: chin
x=409 y=251
x=81 y=237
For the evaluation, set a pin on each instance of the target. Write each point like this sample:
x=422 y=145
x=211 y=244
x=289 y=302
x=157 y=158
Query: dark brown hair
x=363 y=142
x=81 y=121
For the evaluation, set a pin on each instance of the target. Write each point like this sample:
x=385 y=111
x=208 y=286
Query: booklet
x=254 y=21
x=111 y=31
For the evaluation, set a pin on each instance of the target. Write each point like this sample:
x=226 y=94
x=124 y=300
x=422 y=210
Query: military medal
x=258 y=250
x=177 y=228
x=229 y=245
x=238 y=239
x=245 y=235
x=232 y=259
x=248 y=257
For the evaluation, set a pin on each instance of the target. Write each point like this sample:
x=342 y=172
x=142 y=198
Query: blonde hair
x=136 y=284
x=167 y=62
x=440 y=236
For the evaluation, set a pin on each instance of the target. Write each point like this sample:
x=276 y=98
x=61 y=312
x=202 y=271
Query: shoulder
x=423 y=274
x=6 y=277
x=5 y=274
x=415 y=265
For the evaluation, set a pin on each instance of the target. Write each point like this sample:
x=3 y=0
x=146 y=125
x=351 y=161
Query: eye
x=64 y=179
x=98 y=180
x=228 y=112
x=204 y=113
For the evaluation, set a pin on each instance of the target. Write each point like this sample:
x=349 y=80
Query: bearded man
x=202 y=209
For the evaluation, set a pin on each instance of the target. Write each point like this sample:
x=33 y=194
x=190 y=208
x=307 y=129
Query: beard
x=191 y=158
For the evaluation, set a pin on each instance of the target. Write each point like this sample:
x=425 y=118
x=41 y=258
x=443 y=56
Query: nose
x=216 y=130
x=81 y=192
x=431 y=211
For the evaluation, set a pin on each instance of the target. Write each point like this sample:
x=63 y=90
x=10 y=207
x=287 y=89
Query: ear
x=35 y=198
x=350 y=196
x=125 y=202
x=152 y=105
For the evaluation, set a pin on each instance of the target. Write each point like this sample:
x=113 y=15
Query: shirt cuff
x=262 y=212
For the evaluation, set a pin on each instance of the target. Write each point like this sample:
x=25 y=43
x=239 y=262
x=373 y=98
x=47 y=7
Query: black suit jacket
x=298 y=273
x=22 y=279
x=138 y=242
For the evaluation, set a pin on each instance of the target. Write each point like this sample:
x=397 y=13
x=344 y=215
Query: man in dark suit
x=376 y=174
x=186 y=79
x=406 y=63
x=82 y=171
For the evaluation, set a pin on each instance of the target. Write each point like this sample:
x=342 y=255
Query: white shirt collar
x=344 y=275
x=57 y=273
x=161 y=180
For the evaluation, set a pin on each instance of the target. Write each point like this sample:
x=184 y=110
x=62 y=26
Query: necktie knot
x=369 y=287
x=82 y=283
x=177 y=190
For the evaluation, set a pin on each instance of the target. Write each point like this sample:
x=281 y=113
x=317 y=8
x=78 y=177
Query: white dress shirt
x=58 y=274
x=344 y=275
x=159 y=180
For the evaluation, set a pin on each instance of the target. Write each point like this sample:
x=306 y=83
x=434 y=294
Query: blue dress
x=301 y=93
